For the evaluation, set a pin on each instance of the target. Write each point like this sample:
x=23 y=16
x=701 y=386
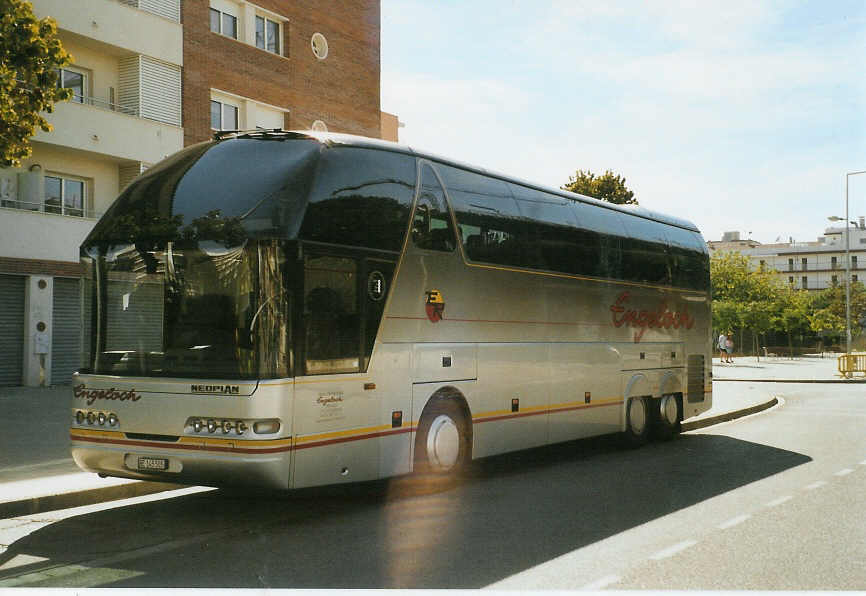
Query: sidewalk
x=38 y=474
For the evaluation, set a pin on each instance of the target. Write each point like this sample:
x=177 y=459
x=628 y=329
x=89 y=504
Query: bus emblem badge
x=435 y=306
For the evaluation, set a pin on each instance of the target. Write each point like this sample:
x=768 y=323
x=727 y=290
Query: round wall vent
x=319 y=45
x=319 y=126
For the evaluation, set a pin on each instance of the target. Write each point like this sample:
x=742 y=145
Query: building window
x=833 y=263
x=791 y=280
x=790 y=264
x=853 y=261
x=64 y=195
x=224 y=23
x=762 y=265
x=267 y=35
x=74 y=79
x=834 y=280
x=854 y=278
x=805 y=281
x=223 y=116
x=803 y=265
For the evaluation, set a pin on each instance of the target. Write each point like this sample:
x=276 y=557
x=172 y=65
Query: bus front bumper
x=263 y=464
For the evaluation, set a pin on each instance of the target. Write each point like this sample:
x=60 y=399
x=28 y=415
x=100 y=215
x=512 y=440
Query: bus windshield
x=200 y=309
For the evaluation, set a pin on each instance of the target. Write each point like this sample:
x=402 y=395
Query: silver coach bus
x=294 y=309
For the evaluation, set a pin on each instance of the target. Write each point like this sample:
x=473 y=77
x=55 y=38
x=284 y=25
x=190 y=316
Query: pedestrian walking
x=729 y=347
x=722 y=345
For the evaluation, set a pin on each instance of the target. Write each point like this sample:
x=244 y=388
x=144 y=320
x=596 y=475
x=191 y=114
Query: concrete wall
x=123 y=27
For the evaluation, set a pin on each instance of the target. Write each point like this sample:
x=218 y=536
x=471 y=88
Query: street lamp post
x=847 y=265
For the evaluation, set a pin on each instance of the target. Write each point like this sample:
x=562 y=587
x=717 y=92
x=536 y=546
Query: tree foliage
x=608 y=187
x=30 y=54
x=754 y=299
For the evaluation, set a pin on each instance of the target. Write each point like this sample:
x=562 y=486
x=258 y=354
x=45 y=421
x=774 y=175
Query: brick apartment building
x=150 y=77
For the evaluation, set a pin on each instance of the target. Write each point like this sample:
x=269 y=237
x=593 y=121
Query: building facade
x=148 y=78
x=805 y=265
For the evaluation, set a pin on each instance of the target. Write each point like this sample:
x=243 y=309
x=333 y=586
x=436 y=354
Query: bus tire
x=637 y=422
x=668 y=415
x=443 y=445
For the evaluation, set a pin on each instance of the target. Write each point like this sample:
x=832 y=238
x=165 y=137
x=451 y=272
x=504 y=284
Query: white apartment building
x=124 y=116
x=805 y=265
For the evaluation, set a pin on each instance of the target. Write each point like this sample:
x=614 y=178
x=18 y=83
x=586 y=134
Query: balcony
x=98 y=126
x=119 y=25
x=28 y=234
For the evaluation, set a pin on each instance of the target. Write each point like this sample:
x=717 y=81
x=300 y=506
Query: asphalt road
x=772 y=501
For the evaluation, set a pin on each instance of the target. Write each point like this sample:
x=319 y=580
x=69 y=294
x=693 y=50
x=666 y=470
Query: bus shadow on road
x=508 y=514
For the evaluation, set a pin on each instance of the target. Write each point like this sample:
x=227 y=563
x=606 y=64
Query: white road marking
x=672 y=550
x=602 y=583
x=815 y=485
x=733 y=522
x=844 y=472
x=779 y=501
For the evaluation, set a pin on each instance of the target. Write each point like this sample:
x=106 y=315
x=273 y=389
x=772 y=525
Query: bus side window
x=431 y=224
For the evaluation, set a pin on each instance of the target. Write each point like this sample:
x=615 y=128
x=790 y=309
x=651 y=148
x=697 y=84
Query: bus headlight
x=91 y=418
x=240 y=427
x=79 y=417
x=266 y=427
x=196 y=425
x=112 y=419
x=101 y=418
x=211 y=426
x=227 y=426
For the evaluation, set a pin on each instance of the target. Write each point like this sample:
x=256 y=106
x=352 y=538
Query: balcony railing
x=49 y=207
x=104 y=104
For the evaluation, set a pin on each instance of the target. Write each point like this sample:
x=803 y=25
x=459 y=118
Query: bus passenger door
x=337 y=413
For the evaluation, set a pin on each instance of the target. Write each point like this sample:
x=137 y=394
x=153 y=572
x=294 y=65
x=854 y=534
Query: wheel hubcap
x=443 y=443
x=668 y=409
x=637 y=415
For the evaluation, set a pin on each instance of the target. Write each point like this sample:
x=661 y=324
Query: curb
x=861 y=380
x=92 y=496
x=710 y=421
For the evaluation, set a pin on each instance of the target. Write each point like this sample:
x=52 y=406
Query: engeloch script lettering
x=660 y=318
x=91 y=395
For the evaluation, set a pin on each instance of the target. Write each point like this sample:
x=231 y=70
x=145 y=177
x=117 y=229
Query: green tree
x=608 y=187
x=794 y=308
x=828 y=313
x=30 y=54
x=743 y=298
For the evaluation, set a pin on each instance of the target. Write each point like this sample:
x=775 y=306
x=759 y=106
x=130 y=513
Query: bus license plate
x=152 y=463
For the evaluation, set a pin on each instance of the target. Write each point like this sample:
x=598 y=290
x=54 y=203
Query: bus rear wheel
x=442 y=443
x=668 y=415
x=637 y=422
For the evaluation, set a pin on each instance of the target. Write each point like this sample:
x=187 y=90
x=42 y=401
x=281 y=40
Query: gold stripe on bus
x=311 y=381
x=344 y=433
x=184 y=440
x=86 y=432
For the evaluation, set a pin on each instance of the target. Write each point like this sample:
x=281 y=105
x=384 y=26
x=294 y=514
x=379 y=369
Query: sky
x=736 y=115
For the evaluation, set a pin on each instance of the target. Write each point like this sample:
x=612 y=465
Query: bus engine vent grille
x=696 y=379
x=147 y=437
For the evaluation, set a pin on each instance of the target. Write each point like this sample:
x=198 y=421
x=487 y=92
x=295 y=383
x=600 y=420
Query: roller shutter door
x=66 y=341
x=11 y=329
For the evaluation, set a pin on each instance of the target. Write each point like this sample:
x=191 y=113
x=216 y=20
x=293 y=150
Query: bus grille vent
x=696 y=379
x=147 y=437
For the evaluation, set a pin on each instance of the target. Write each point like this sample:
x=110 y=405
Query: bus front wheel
x=442 y=445
x=637 y=422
